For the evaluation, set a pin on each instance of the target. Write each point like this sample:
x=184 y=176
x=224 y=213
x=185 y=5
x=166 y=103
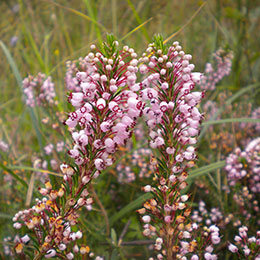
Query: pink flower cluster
x=202 y=215
x=50 y=215
x=212 y=76
x=256 y=115
x=245 y=164
x=246 y=247
x=170 y=100
x=38 y=90
x=106 y=107
x=141 y=159
x=173 y=121
x=106 y=110
x=71 y=80
x=205 y=238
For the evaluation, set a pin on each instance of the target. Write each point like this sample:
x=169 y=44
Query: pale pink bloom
x=232 y=248
x=50 y=253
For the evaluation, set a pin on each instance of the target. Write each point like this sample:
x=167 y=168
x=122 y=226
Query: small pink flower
x=232 y=248
x=113 y=106
x=101 y=104
x=76 y=99
x=167 y=219
x=105 y=126
x=69 y=256
x=99 y=163
x=146 y=219
x=50 y=253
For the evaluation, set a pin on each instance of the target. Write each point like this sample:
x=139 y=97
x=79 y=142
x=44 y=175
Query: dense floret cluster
x=38 y=90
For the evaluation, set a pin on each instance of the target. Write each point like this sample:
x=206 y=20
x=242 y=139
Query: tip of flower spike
x=159 y=44
x=110 y=46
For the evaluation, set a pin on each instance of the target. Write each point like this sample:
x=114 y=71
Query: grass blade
x=27 y=168
x=7 y=216
x=12 y=64
x=135 y=29
x=206 y=169
x=114 y=17
x=35 y=49
x=186 y=24
x=231 y=120
x=138 y=19
x=82 y=15
x=19 y=179
x=30 y=190
x=19 y=82
x=228 y=102
x=241 y=92
x=130 y=207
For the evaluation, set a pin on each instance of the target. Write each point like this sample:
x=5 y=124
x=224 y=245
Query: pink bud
x=109 y=143
x=105 y=126
x=113 y=88
x=113 y=106
x=147 y=188
x=101 y=104
x=70 y=256
x=167 y=219
x=159 y=141
x=146 y=219
x=97 y=144
x=170 y=150
x=232 y=248
x=50 y=253
x=163 y=106
x=99 y=163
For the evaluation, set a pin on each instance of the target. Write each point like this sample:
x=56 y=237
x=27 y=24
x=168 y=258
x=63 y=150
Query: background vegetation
x=41 y=35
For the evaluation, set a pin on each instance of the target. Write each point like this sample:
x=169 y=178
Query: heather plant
x=106 y=109
x=173 y=121
x=214 y=73
x=136 y=156
x=106 y=101
x=246 y=247
x=38 y=90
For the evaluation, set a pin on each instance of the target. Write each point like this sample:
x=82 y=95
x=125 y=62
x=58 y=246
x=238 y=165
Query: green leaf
x=206 y=169
x=231 y=120
x=7 y=216
x=135 y=29
x=138 y=19
x=130 y=207
x=114 y=254
x=113 y=236
x=27 y=168
x=18 y=178
x=19 y=81
x=228 y=102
